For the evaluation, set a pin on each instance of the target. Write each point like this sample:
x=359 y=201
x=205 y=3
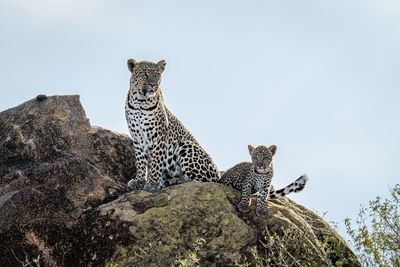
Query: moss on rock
x=200 y=223
x=167 y=234
x=64 y=199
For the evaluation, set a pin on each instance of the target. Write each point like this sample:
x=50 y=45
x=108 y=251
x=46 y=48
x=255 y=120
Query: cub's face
x=146 y=76
x=261 y=157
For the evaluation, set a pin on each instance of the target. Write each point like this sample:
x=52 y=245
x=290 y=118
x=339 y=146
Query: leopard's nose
x=152 y=81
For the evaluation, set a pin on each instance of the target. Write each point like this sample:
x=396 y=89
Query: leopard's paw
x=136 y=184
x=152 y=186
x=263 y=213
x=242 y=207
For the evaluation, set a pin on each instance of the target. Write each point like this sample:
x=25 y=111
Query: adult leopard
x=166 y=152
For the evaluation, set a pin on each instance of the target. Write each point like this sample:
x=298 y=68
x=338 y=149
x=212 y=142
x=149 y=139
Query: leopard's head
x=261 y=157
x=146 y=76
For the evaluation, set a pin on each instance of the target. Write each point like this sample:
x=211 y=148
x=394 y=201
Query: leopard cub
x=255 y=177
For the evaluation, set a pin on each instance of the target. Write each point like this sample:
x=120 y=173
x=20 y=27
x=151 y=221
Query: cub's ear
x=273 y=149
x=161 y=64
x=251 y=149
x=131 y=64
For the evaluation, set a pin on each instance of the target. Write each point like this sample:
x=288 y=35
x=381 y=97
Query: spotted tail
x=296 y=186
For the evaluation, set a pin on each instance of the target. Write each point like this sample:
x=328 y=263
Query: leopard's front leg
x=245 y=201
x=141 y=165
x=261 y=209
x=155 y=166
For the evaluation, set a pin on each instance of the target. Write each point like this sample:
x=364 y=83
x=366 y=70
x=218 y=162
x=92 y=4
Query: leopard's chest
x=144 y=127
x=258 y=181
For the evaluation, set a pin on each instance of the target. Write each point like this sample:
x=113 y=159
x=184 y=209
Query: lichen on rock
x=64 y=201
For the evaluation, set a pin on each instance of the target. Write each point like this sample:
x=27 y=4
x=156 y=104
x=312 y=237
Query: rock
x=53 y=167
x=202 y=218
x=64 y=202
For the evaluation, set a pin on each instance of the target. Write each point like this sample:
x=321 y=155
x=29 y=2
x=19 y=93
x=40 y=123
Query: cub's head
x=261 y=157
x=146 y=76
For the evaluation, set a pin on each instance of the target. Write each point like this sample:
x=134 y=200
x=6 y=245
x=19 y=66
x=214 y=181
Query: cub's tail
x=296 y=186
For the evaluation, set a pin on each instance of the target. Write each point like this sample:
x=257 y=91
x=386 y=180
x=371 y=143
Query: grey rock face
x=53 y=167
x=64 y=202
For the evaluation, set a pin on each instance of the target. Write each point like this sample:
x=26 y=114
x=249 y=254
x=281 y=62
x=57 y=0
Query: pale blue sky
x=320 y=79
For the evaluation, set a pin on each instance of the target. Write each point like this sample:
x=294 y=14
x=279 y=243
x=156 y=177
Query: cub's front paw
x=242 y=207
x=263 y=213
x=136 y=184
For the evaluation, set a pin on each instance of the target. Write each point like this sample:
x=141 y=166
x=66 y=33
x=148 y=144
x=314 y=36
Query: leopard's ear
x=273 y=149
x=131 y=64
x=161 y=64
x=251 y=149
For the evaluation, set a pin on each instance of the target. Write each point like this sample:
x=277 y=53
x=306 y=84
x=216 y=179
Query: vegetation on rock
x=376 y=234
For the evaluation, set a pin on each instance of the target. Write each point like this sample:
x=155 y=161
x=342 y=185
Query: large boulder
x=53 y=167
x=64 y=202
x=197 y=223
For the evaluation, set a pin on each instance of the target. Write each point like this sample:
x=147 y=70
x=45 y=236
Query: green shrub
x=376 y=233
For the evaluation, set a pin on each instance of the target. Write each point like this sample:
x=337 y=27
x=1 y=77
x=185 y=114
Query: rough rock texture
x=53 y=167
x=64 y=202
x=168 y=228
